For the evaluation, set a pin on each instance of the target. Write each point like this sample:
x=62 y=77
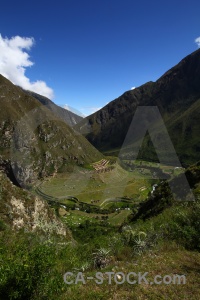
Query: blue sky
x=90 y=52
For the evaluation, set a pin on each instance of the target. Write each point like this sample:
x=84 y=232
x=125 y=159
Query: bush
x=28 y=269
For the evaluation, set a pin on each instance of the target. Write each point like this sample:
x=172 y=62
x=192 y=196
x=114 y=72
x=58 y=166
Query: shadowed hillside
x=65 y=115
x=177 y=95
x=34 y=141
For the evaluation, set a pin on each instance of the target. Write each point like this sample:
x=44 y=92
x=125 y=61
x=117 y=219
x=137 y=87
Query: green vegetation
x=87 y=212
x=32 y=266
x=89 y=185
x=144 y=233
x=115 y=192
x=35 y=141
x=176 y=94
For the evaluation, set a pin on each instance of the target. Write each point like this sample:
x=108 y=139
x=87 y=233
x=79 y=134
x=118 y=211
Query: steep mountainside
x=162 y=197
x=177 y=95
x=33 y=142
x=21 y=210
x=65 y=115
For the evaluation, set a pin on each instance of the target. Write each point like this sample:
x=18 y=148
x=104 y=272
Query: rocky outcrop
x=35 y=143
x=21 y=210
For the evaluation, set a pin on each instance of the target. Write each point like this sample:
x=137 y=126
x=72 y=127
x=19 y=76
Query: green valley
x=68 y=207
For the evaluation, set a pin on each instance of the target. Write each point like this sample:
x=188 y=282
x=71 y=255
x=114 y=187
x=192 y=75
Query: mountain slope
x=33 y=142
x=162 y=197
x=21 y=210
x=65 y=115
x=177 y=95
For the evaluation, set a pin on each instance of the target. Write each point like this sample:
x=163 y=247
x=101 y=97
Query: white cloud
x=14 y=60
x=197 y=41
x=133 y=88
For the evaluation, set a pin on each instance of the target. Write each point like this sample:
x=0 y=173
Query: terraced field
x=92 y=187
x=101 y=192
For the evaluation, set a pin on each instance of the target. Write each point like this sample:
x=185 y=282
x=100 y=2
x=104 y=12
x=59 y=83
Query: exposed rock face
x=6 y=168
x=21 y=210
x=177 y=95
x=34 y=143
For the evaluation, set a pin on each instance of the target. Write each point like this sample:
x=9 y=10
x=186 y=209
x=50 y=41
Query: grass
x=88 y=185
x=111 y=190
x=168 y=260
x=41 y=261
x=117 y=219
x=160 y=246
x=74 y=218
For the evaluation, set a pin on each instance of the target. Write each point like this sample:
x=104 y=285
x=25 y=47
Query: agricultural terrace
x=105 y=190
